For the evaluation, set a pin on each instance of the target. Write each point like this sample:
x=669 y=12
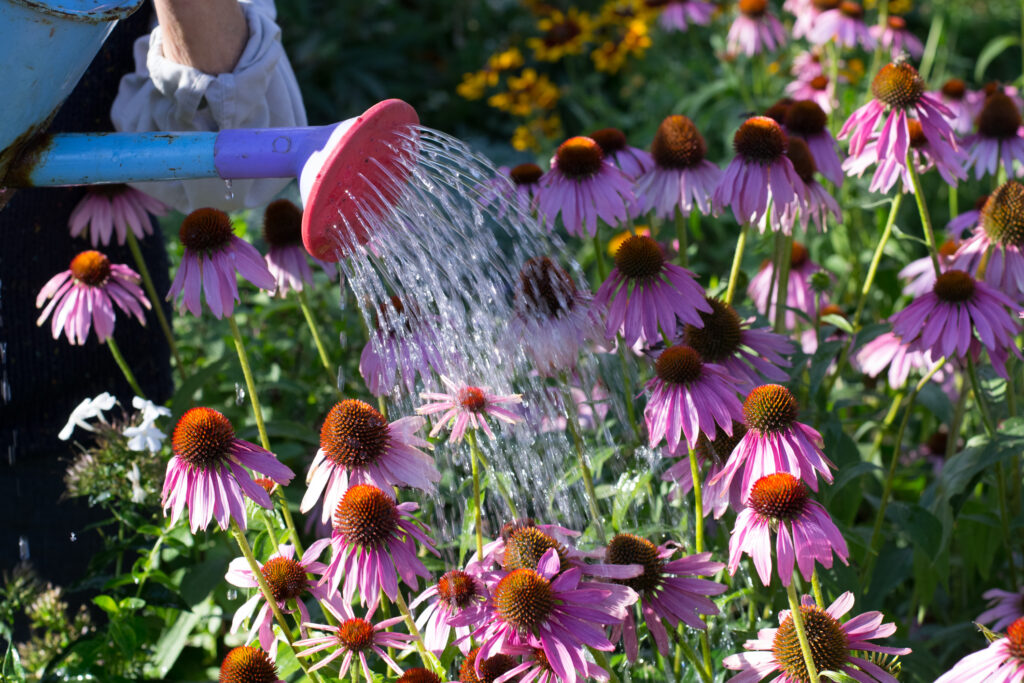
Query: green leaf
x=107 y=604
x=131 y=604
x=838 y=321
x=172 y=642
x=838 y=677
x=993 y=49
x=919 y=526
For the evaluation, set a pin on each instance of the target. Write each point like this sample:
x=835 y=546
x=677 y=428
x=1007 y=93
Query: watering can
x=46 y=46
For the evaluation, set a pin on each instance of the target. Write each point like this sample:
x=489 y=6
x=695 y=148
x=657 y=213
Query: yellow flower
x=562 y=34
x=523 y=139
x=611 y=55
x=621 y=12
x=895 y=6
x=853 y=71
x=615 y=242
x=528 y=136
x=473 y=85
x=526 y=93
x=505 y=61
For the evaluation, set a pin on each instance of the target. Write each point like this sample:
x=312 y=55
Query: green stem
x=926 y=219
x=308 y=314
x=502 y=489
x=691 y=656
x=932 y=42
x=627 y=385
x=115 y=351
x=737 y=260
x=785 y=261
x=698 y=503
x=602 y=661
x=816 y=587
x=801 y=631
x=571 y=421
x=478 y=523
x=270 y=528
x=429 y=660
x=602 y=267
x=684 y=259
x=147 y=283
x=979 y=396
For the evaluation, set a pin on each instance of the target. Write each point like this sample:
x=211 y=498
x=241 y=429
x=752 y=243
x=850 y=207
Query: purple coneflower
x=669 y=590
x=286 y=258
x=213 y=255
x=805 y=12
x=83 y=297
x=534 y=668
x=402 y=347
x=681 y=177
x=583 y=186
x=888 y=350
x=456 y=601
x=844 y=24
x=554 y=318
x=953 y=94
x=359 y=446
x=489 y=669
x=998 y=138
x=920 y=273
x=689 y=397
x=775 y=442
x=354 y=637
x=550 y=610
x=287 y=579
x=716 y=497
x=807 y=64
x=373 y=544
x=817 y=204
x=948 y=161
x=1004 y=608
x=968 y=220
x=805 y=533
x=518 y=186
x=818 y=89
x=1000 y=234
x=755 y=29
x=807 y=120
x=944 y=320
x=108 y=209
x=895 y=38
x=248 y=664
x=835 y=646
x=467 y=406
x=976 y=99
x=677 y=15
x=208 y=471
x=1002 y=661
x=632 y=161
x=799 y=294
x=646 y=295
x=759 y=170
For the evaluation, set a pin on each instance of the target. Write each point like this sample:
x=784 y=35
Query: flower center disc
x=286 y=578
x=639 y=257
x=719 y=450
x=524 y=599
x=490 y=668
x=898 y=86
x=819 y=83
x=579 y=157
x=721 y=334
x=779 y=110
x=754 y=8
x=770 y=408
x=526 y=545
x=202 y=438
x=109 y=190
x=456 y=589
x=778 y=496
x=798 y=256
x=366 y=516
x=418 y=675
x=678 y=144
x=999 y=117
x=1015 y=638
x=473 y=399
x=282 y=224
x=954 y=286
x=806 y=117
x=760 y=140
x=917 y=136
x=948 y=248
x=825 y=636
x=546 y=287
x=356 y=634
x=205 y=230
x=610 y=140
x=954 y=89
x=354 y=434
x=561 y=33
x=897 y=23
x=803 y=161
x=631 y=549
x=247 y=665
x=679 y=365
x=525 y=174
x=1002 y=215
x=90 y=268
x=851 y=9
x=825 y=5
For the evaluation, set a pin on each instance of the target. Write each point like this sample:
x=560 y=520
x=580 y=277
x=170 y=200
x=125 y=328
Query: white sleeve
x=261 y=92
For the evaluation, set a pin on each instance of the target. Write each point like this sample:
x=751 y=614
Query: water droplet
x=23 y=553
x=341 y=378
x=239 y=394
x=232 y=594
x=74 y=537
x=229 y=193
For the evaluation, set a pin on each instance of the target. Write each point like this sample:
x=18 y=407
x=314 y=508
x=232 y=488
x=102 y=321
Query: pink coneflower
x=108 y=209
x=817 y=204
x=1001 y=236
x=681 y=177
x=948 y=161
x=760 y=169
x=677 y=15
x=548 y=609
x=1004 y=608
x=591 y=408
x=467 y=406
x=775 y=442
x=373 y=544
x=755 y=30
x=895 y=38
x=583 y=186
x=208 y=471
x=899 y=95
x=750 y=355
x=805 y=12
x=83 y=297
x=807 y=120
x=554 y=318
x=286 y=258
x=248 y=664
x=213 y=255
x=834 y=645
x=953 y=94
x=354 y=637
x=844 y=24
x=976 y=99
x=818 y=89
x=402 y=347
x=968 y=220
x=944 y=321
x=715 y=454
x=646 y=295
x=489 y=669
x=632 y=161
x=359 y=446
x=534 y=668
x=456 y=601
x=689 y=397
x=804 y=531
x=889 y=351
x=807 y=64
x=669 y=590
x=998 y=138
x=920 y=273
x=799 y=294
x=1002 y=661
x=287 y=579
x=521 y=192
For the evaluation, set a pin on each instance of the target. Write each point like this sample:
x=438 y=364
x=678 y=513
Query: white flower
x=135 y=477
x=145 y=436
x=88 y=409
x=150 y=410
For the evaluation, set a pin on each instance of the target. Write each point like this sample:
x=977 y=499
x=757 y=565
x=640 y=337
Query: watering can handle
x=98 y=158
